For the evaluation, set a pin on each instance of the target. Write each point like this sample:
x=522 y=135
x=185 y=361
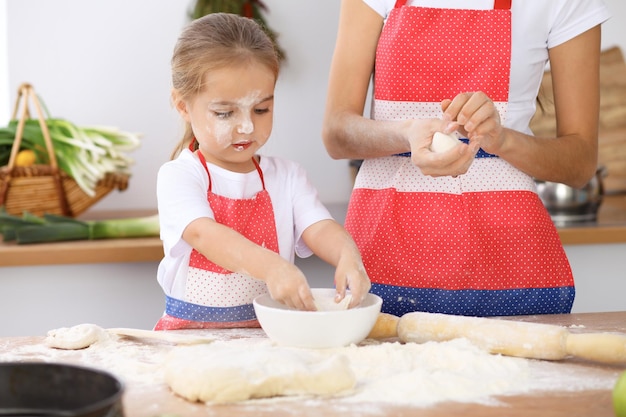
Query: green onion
x=87 y=154
x=54 y=228
x=9 y=224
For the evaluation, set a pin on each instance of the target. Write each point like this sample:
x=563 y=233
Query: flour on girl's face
x=240 y=121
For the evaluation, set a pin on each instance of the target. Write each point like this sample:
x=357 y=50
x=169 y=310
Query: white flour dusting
x=419 y=375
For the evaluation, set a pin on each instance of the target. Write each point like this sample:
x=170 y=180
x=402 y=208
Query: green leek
x=85 y=153
x=54 y=228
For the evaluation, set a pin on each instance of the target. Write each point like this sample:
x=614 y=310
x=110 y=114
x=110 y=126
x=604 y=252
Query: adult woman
x=463 y=231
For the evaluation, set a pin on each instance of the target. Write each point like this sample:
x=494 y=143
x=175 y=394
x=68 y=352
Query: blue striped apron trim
x=196 y=312
x=479 y=154
x=525 y=301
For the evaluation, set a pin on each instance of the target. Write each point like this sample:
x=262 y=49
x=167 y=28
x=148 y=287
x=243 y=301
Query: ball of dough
x=76 y=337
x=329 y=304
x=443 y=142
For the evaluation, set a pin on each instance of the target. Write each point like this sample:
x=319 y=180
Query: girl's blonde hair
x=212 y=42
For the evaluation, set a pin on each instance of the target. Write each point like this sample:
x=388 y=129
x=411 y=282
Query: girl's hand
x=350 y=273
x=478 y=116
x=453 y=162
x=289 y=286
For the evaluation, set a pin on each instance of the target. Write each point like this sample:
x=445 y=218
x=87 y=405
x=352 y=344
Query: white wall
x=613 y=31
x=107 y=62
x=4 y=67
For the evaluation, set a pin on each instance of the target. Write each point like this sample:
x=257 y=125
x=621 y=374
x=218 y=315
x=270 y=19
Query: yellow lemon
x=619 y=396
x=25 y=158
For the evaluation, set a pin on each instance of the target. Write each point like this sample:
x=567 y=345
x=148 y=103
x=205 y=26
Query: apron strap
x=497 y=4
x=203 y=161
x=502 y=4
x=258 y=169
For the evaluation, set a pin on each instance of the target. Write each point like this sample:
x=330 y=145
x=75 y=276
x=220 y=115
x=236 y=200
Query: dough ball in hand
x=443 y=142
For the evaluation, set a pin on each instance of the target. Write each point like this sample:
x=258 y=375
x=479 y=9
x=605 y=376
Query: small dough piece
x=443 y=142
x=329 y=304
x=226 y=373
x=76 y=337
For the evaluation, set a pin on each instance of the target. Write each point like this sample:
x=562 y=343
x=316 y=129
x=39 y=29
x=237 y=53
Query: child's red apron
x=214 y=296
x=480 y=244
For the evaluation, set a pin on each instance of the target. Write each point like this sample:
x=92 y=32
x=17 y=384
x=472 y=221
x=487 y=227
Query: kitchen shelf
x=148 y=249
x=610 y=227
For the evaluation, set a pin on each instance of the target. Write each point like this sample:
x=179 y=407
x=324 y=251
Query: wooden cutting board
x=612 y=132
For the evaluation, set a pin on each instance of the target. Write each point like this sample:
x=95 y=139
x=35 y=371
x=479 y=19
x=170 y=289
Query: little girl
x=232 y=220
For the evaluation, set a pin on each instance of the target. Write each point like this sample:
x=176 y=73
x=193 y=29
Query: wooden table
x=157 y=400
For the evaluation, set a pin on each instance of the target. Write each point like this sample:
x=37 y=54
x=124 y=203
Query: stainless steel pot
x=571 y=205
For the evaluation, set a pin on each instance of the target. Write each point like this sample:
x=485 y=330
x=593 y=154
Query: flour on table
x=383 y=374
x=227 y=372
x=76 y=337
x=434 y=372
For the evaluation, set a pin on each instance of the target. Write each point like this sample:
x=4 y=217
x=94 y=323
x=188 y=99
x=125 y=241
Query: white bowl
x=317 y=329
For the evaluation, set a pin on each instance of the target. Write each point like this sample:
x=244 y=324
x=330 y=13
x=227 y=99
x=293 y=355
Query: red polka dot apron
x=214 y=296
x=481 y=244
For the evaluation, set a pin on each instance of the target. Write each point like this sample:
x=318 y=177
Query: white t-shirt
x=537 y=25
x=182 y=186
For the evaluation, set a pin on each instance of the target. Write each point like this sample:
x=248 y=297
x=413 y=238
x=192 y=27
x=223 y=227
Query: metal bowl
x=49 y=389
x=568 y=204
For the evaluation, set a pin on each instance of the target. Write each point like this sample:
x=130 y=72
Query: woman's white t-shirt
x=537 y=25
x=182 y=186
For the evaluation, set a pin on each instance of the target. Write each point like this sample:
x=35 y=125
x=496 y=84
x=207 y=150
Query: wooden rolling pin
x=511 y=338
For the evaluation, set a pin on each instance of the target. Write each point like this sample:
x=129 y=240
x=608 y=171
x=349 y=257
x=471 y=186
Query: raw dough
x=76 y=337
x=224 y=372
x=329 y=304
x=443 y=142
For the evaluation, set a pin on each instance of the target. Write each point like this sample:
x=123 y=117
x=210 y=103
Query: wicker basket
x=43 y=189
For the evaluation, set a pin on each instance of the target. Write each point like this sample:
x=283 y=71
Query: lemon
x=25 y=158
x=619 y=396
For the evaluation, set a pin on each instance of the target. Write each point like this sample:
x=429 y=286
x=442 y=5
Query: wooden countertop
x=149 y=397
x=610 y=227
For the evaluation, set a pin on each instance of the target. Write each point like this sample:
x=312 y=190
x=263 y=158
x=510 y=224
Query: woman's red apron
x=214 y=296
x=480 y=244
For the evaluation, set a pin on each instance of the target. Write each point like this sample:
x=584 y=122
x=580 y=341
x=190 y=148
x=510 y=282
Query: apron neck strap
x=203 y=162
x=497 y=4
x=502 y=4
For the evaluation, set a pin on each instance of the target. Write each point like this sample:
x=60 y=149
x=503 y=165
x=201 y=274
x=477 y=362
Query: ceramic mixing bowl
x=317 y=329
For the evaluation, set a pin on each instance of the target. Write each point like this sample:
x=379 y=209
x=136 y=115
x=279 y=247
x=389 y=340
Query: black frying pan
x=52 y=389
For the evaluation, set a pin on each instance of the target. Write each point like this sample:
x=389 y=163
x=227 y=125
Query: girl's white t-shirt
x=537 y=25
x=182 y=186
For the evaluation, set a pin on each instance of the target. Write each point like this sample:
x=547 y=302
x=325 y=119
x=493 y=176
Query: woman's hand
x=453 y=162
x=479 y=118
